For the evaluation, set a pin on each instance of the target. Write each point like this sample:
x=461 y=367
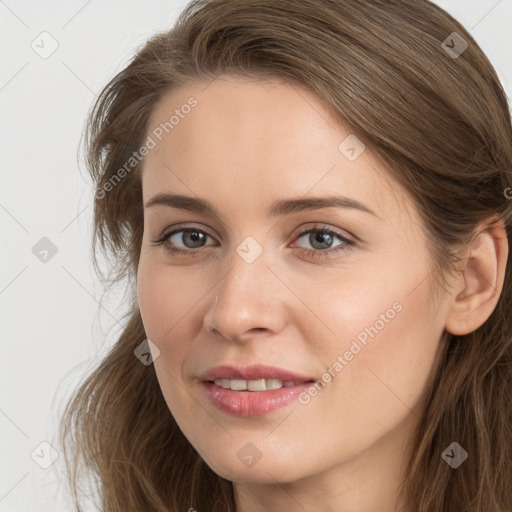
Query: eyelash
x=347 y=243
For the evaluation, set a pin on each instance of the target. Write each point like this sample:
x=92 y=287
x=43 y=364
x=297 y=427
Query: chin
x=265 y=474
x=266 y=470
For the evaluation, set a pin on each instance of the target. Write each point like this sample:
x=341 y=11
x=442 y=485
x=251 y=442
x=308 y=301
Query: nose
x=249 y=301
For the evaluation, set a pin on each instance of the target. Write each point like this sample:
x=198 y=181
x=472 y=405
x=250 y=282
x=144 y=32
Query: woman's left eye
x=320 y=238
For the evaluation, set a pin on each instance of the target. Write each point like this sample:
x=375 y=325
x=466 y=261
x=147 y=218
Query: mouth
x=256 y=384
x=253 y=390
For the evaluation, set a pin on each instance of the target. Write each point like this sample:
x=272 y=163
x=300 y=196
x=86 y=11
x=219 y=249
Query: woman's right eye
x=191 y=238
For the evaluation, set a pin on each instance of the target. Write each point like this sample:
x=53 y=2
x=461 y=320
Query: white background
x=53 y=329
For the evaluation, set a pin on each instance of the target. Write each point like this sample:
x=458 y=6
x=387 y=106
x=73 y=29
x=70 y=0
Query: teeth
x=238 y=385
x=254 y=385
x=257 y=385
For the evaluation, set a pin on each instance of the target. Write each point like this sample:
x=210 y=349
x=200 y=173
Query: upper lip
x=252 y=372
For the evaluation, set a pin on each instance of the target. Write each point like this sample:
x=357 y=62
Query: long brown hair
x=435 y=113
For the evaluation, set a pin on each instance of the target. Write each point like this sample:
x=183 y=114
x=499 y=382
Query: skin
x=246 y=144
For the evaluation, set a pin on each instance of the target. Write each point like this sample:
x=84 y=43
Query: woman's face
x=345 y=306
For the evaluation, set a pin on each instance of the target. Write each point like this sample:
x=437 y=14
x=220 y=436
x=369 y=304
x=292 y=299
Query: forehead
x=255 y=141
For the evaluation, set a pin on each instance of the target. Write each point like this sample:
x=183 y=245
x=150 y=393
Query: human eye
x=192 y=239
x=320 y=236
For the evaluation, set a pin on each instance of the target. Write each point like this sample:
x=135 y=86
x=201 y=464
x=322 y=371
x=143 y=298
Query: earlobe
x=481 y=280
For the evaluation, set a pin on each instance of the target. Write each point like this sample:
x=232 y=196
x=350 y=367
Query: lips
x=253 y=372
x=252 y=390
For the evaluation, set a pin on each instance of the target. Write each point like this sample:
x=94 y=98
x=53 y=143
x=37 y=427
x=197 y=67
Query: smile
x=254 y=385
x=257 y=402
x=252 y=390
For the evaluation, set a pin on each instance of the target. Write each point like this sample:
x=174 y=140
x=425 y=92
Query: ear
x=479 y=284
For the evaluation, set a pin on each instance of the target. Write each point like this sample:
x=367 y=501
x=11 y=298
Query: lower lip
x=252 y=403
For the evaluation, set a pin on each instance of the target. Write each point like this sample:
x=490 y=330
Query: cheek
x=162 y=304
x=167 y=303
x=387 y=337
x=165 y=299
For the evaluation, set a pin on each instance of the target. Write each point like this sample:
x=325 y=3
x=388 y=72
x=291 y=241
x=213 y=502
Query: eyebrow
x=279 y=207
